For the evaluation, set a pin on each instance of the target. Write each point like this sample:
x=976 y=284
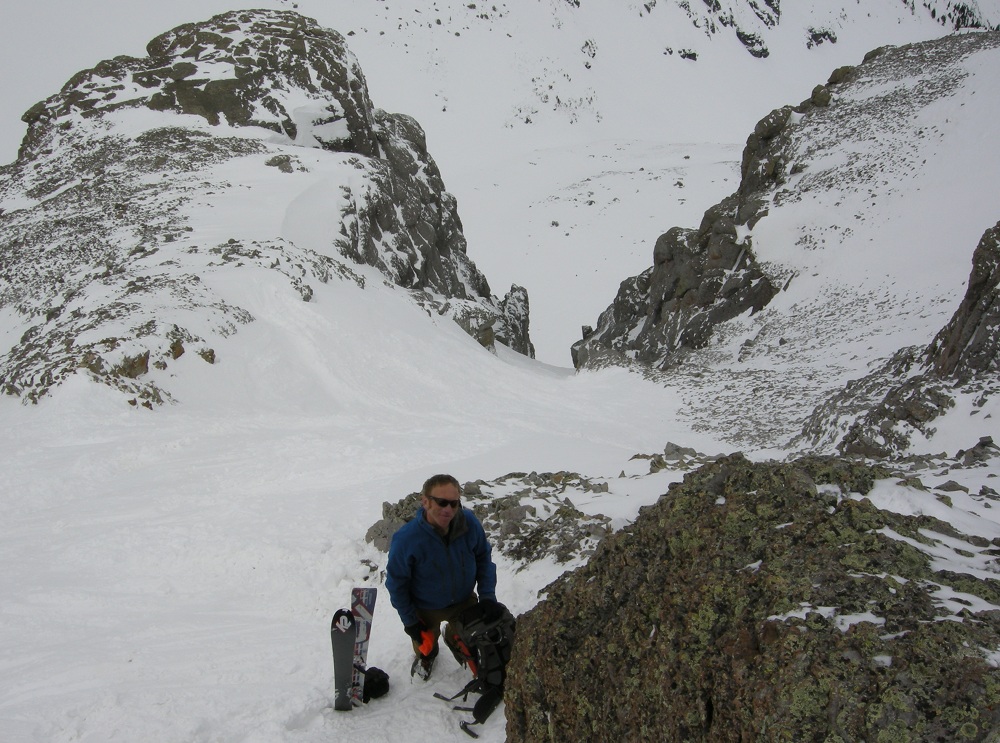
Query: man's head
x=440 y=499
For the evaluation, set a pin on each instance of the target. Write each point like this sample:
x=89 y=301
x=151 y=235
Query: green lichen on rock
x=760 y=602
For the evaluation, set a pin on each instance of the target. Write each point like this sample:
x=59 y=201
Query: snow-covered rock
x=239 y=147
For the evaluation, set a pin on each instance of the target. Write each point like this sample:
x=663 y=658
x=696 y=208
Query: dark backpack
x=483 y=639
x=486 y=637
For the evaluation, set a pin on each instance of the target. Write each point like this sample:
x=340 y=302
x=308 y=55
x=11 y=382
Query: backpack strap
x=469 y=688
x=487 y=703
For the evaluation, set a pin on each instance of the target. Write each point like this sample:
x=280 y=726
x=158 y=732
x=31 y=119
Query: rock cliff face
x=699 y=279
x=103 y=259
x=765 y=602
x=906 y=395
x=970 y=344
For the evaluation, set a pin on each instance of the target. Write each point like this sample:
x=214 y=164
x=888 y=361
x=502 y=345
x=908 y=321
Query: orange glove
x=420 y=633
x=426 y=642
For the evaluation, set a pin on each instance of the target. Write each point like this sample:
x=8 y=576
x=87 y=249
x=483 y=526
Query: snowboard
x=362 y=609
x=343 y=635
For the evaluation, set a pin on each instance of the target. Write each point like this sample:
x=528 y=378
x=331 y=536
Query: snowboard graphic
x=343 y=635
x=363 y=609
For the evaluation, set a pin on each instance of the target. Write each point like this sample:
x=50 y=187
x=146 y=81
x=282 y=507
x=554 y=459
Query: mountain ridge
x=819 y=180
x=84 y=216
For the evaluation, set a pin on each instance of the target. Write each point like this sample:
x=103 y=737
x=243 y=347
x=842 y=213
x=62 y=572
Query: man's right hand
x=422 y=635
x=415 y=630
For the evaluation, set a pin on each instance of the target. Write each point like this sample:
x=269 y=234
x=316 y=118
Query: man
x=436 y=561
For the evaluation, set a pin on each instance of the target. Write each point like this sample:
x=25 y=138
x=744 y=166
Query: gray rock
x=699 y=279
x=969 y=345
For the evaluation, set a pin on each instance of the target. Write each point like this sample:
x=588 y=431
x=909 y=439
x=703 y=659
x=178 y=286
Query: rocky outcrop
x=969 y=345
x=514 y=330
x=907 y=394
x=702 y=278
x=100 y=260
x=239 y=68
x=699 y=278
x=528 y=516
x=765 y=602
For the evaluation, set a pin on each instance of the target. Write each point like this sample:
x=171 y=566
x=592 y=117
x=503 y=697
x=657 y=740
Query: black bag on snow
x=376 y=684
x=482 y=639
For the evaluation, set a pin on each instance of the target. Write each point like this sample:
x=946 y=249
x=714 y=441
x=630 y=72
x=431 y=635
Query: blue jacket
x=429 y=571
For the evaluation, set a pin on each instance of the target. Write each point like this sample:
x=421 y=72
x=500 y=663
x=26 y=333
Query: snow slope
x=170 y=576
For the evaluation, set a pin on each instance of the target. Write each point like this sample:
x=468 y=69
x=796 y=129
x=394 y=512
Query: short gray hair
x=438 y=480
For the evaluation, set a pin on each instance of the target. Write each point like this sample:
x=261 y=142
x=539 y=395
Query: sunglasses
x=445 y=503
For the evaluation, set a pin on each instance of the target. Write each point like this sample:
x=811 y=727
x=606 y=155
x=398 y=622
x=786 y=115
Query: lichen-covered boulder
x=765 y=602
